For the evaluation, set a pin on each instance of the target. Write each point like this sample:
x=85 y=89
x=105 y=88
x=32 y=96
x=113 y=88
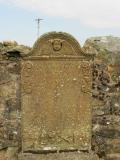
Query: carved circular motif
x=28 y=65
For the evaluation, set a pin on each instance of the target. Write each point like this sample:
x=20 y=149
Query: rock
x=15 y=51
x=3 y=155
x=1 y=45
x=10 y=43
x=106 y=48
x=23 y=50
x=12 y=153
x=113 y=156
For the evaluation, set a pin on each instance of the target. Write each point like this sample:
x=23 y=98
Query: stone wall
x=106 y=93
x=10 y=110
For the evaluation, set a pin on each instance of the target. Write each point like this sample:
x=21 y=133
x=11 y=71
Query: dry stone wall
x=106 y=93
x=10 y=108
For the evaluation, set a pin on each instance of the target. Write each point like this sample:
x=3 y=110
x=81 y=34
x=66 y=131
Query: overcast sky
x=81 y=18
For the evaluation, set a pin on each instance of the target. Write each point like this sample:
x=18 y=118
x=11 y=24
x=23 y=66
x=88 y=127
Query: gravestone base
x=59 y=156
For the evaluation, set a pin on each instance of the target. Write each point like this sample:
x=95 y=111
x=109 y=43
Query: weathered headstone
x=56 y=96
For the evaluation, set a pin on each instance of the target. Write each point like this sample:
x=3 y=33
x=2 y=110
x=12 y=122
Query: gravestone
x=56 y=96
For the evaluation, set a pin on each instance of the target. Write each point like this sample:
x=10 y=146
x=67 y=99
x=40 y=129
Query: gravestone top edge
x=57 y=44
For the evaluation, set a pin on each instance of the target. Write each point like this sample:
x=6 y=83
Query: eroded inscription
x=53 y=108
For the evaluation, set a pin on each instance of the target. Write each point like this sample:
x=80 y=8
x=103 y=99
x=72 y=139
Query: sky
x=81 y=18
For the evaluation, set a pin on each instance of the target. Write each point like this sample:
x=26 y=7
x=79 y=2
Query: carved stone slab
x=56 y=97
